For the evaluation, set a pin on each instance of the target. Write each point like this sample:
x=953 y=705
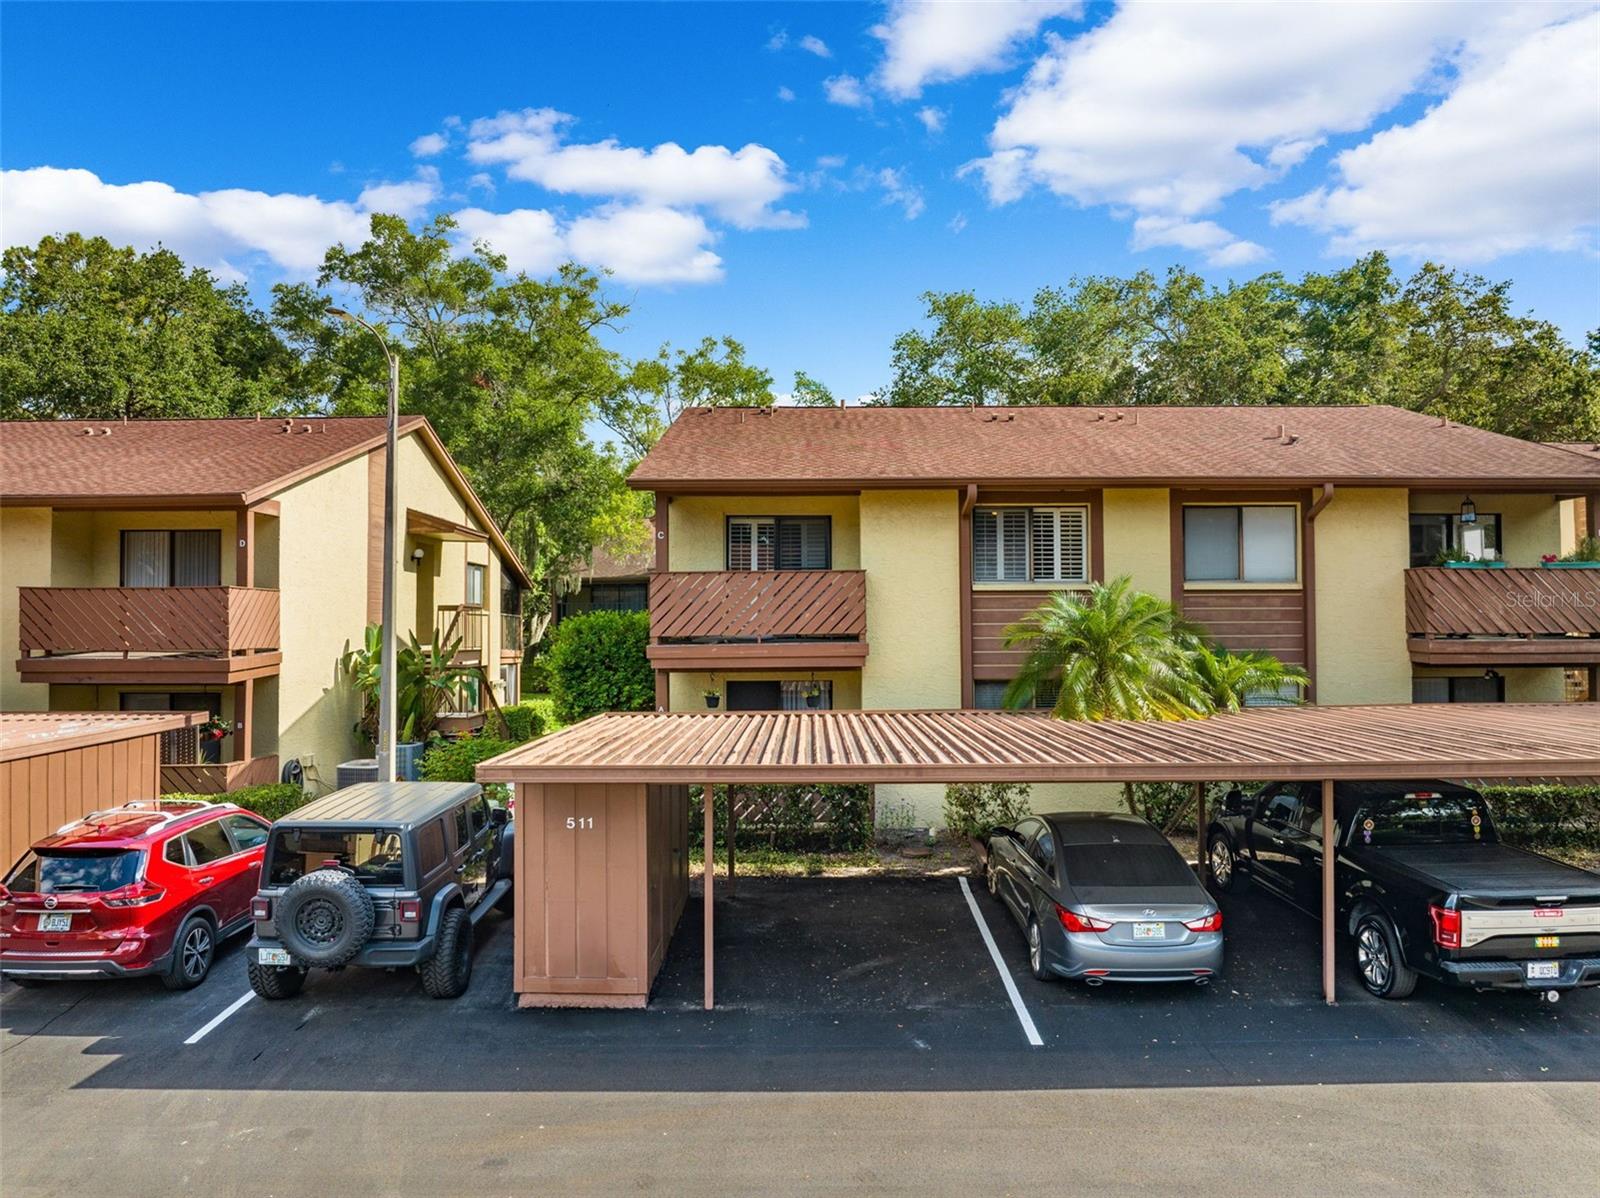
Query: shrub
x=598 y=663
x=1547 y=817
x=456 y=760
x=273 y=800
x=536 y=675
x=785 y=817
x=972 y=808
x=525 y=722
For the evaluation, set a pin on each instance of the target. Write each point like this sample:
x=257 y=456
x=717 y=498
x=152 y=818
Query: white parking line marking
x=1005 y=974
x=213 y=1025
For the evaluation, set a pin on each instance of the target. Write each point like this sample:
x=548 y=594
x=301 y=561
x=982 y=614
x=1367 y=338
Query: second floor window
x=779 y=543
x=1435 y=534
x=475 y=580
x=184 y=557
x=1255 y=543
x=1039 y=544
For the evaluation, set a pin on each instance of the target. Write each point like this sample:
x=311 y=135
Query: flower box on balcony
x=1474 y=565
x=1571 y=565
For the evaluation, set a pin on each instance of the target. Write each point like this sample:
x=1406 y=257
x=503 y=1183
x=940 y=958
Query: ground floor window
x=991 y=696
x=182 y=747
x=774 y=695
x=623 y=596
x=1287 y=695
x=509 y=682
x=1488 y=687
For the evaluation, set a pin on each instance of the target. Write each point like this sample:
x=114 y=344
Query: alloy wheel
x=320 y=922
x=196 y=952
x=1221 y=863
x=991 y=878
x=1035 y=947
x=1372 y=955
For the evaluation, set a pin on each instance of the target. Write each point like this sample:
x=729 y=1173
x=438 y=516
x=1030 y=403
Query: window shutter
x=1046 y=526
x=765 y=547
x=790 y=548
x=1014 y=544
x=814 y=545
x=1073 y=544
x=740 y=536
x=985 y=546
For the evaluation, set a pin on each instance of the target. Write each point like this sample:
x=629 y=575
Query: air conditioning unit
x=408 y=761
x=362 y=769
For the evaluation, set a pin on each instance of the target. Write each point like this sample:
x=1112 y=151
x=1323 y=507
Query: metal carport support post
x=1330 y=842
x=1201 y=857
x=710 y=803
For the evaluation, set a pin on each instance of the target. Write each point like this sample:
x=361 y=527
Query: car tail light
x=1074 y=922
x=5 y=895
x=410 y=910
x=1211 y=923
x=1446 y=926
x=260 y=908
x=139 y=894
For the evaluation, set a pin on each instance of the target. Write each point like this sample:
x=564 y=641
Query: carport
x=593 y=798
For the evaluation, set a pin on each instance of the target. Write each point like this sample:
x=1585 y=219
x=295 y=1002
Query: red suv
x=149 y=887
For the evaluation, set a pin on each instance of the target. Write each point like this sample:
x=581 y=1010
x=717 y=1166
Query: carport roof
x=1299 y=743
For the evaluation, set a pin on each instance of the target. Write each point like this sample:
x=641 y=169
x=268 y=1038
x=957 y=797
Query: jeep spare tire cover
x=324 y=917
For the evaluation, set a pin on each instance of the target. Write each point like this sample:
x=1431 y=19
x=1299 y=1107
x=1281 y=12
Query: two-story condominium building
x=226 y=565
x=872 y=557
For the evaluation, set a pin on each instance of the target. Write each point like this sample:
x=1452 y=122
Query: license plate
x=1149 y=931
x=1543 y=969
x=273 y=956
x=55 y=922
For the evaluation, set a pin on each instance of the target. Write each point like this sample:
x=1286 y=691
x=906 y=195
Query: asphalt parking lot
x=824 y=986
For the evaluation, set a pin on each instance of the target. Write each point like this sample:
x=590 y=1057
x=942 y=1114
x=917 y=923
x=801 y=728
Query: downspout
x=1310 y=583
x=969 y=498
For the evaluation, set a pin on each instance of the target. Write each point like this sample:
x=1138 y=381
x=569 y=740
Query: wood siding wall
x=1267 y=621
x=38 y=794
x=598 y=901
x=992 y=612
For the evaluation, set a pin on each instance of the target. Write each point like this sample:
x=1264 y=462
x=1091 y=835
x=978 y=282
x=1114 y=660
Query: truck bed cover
x=1492 y=870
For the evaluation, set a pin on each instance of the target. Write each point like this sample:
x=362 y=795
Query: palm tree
x=1111 y=654
x=1228 y=678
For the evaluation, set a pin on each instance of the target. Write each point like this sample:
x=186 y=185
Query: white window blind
x=1269 y=544
x=1258 y=543
x=1018 y=544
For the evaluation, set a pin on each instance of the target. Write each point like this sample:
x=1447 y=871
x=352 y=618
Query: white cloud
x=929 y=41
x=778 y=40
x=740 y=186
x=957 y=222
x=528 y=237
x=813 y=44
x=1509 y=161
x=1163 y=111
x=647 y=245
x=785 y=94
x=932 y=119
x=845 y=91
x=483 y=181
x=899 y=190
x=429 y=144
x=409 y=199
x=217 y=229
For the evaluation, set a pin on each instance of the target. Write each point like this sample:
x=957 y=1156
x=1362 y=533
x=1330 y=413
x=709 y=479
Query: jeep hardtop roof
x=401 y=804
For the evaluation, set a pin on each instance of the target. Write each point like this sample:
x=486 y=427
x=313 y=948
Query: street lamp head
x=340 y=313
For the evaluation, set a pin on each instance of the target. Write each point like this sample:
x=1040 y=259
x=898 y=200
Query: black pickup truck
x=1423 y=884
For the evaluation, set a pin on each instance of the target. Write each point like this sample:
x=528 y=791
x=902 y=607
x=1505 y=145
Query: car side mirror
x=499 y=816
x=1233 y=802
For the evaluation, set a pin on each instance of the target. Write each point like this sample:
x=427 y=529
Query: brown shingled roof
x=608 y=564
x=198 y=463
x=230 y=461
x=789 y=448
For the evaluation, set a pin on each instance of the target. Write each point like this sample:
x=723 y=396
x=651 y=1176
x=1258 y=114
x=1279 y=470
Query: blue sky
x=795 y=175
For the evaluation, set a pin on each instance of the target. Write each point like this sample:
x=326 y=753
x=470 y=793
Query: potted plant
x=426 y=679
x=1458 y=559
x=813 y=695
x=1586 y=556
x=214 y=728
x=712 y=696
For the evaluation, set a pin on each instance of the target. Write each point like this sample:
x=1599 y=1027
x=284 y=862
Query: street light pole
x=387 y=685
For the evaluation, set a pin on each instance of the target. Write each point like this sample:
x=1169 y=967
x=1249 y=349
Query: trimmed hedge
x=273 y=801
x=525 y=722
x=598 y=663
x=1547 y=817
x=789 y=819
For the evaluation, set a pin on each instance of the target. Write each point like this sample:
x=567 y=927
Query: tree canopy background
x=521 y=380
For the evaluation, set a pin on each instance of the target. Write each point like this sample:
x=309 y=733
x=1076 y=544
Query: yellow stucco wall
x=697 y=526
x=1138 y=537
x=910 y=545
x=688 y=687
x=25 y=537
x=1530 y=525
x=1363 y=545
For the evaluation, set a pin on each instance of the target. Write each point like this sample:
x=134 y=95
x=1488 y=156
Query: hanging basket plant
x=215 y=728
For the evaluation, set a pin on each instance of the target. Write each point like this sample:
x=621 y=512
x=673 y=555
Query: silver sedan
x=1106 y=898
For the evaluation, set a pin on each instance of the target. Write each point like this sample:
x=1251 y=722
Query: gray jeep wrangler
x=383 y=874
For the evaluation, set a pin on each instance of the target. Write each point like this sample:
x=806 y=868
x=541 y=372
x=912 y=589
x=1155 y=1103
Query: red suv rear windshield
x=75 y=871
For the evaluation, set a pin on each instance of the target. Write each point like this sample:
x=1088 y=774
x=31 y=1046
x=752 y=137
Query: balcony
x=725 y=619
x=512 y=641
x=470 y=624
x=1530 y=617
x=147 y=634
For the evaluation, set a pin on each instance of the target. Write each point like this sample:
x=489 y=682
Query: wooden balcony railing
x=758 y=605
x=1537 y=615
x=512 y=642
x=217 y=620
x=469 y=623
x=204 y=778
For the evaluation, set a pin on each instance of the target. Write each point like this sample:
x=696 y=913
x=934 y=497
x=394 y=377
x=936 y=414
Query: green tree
x=1228 y=679
x=655 y=391
x=975 y=353
x=90 y=331
x=810 y=393
x=509 y=369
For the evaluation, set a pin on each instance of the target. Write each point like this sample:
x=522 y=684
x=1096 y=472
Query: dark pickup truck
x=1423 y=884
